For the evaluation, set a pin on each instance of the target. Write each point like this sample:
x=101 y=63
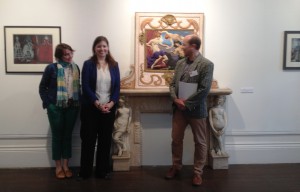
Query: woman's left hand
x=106 y=107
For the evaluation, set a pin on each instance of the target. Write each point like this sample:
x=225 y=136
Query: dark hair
x=109 y=58
x=59 y=50
x=195 y=40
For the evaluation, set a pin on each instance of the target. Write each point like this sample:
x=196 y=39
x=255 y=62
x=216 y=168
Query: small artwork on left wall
x=29 y=48
x=291 y=54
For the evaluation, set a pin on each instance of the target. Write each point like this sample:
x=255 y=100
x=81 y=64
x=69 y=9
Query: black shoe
x=106 y=176
x=81 y=177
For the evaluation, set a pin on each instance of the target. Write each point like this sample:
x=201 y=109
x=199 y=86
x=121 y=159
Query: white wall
x=244 y=38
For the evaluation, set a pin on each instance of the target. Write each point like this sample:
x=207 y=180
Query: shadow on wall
x=156 y=140
x=235 y=118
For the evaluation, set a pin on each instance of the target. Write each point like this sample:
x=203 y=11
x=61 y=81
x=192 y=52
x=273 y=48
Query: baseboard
x=22 y=151
x=243 y=148
x=263 y=147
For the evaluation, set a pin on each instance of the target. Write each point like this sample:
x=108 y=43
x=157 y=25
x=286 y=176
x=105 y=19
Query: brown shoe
x=172 y=173
x=60 y=174
x=197 y=180
x=68 y=173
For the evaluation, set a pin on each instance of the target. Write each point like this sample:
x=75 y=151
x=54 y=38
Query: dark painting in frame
x=29 y=49
x=291 y=54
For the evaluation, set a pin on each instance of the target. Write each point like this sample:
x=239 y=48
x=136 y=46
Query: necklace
x=102 y=65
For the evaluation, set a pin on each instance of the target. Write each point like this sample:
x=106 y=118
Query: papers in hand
x=186 y=89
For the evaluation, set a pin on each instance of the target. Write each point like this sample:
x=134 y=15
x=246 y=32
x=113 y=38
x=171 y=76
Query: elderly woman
x=60 y=91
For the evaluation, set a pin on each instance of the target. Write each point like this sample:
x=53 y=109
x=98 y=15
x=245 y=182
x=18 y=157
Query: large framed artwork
x=291 y=54
x=28 y=49
x=158 y=45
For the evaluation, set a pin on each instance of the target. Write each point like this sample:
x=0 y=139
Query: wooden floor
x=238 y=178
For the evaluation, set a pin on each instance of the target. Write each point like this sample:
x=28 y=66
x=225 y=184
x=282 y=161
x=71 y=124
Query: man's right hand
x=180 y=104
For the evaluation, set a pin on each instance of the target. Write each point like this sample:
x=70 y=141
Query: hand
x=220 y=133
x=180 y=104
x=106 y=107
x=97 y=104
x=101 y=107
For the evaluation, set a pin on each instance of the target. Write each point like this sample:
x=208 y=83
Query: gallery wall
x=244 y=39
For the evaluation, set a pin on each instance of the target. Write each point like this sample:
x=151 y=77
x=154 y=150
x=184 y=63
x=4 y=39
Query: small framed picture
x=291 y=54
x=28 y=49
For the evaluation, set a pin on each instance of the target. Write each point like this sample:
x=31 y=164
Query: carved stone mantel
x=165 y=92
x=150 y=101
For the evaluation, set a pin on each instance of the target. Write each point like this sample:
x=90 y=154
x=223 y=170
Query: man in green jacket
x=193 y=74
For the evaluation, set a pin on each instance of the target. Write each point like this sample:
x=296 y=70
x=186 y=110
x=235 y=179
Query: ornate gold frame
x=144 y=78
x=141 y=78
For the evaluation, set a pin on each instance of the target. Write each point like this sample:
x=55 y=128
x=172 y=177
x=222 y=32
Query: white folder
x=186 y=89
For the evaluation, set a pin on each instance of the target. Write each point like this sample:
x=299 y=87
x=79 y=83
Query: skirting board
x=15 y=158
x=264 y=155
x=37 y=157
x=243 y=148
x=263 y=147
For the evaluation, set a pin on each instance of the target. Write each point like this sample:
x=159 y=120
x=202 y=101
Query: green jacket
x=196 y=103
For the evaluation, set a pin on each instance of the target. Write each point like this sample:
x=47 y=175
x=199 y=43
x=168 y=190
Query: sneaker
x=197 y=180
x=172 y=173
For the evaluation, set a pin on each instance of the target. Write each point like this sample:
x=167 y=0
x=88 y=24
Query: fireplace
x=150 y=101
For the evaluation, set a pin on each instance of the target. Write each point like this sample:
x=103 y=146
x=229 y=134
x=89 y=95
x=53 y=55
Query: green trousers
x=62 y=121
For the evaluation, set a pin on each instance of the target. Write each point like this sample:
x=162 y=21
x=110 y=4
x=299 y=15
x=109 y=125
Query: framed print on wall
x=158 y=45
x=28 y=49
x=291 y=54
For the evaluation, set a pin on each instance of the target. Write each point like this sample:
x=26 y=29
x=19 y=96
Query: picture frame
x=29 y=49
x=291 y=54
x=158 y=45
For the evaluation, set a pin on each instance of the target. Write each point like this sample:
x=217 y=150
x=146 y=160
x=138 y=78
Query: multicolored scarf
x=62 y=92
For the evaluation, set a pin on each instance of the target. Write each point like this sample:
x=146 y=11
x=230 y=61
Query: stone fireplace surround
x=151 y=101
